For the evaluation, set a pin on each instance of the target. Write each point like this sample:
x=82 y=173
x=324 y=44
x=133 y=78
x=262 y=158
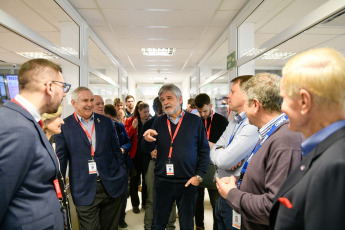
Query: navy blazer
x=315 y=189
x=73 y=146
x=28 y=166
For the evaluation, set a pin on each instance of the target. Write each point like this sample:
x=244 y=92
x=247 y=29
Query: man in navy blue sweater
x=183 y=155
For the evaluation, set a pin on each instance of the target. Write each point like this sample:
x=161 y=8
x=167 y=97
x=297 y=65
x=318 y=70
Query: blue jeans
x=224 y=215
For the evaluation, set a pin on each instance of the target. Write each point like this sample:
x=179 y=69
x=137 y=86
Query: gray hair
x=75 y=93
x=172 y=88
x=264 y=87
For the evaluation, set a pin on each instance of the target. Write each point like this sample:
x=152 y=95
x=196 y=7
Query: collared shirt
x=309 y=144
x=228 y=155
x=264 y=130
x=177 y=118
x=29 y=107
x=88 y=126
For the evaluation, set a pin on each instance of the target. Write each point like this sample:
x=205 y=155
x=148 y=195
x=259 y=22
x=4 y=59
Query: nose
x=61 y=120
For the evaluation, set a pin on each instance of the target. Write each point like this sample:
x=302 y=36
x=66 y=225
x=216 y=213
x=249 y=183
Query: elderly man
x=313 y=89
x=182 y=159
x=28 y=165
x=274 y=157
x=89 y=143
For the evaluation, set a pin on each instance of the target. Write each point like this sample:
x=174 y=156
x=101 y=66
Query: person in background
x=313 y=91
x=97 y=175
x=149 y=167
x=98 y=104
x=126 y=144
x=183 y=155
x=277 y=153
x=215 y=125
x=120 y=114
x=28 y=164
x=52 y=125
x=134 y=127
x=191 y=107
x=233 y=147
x=129 y=100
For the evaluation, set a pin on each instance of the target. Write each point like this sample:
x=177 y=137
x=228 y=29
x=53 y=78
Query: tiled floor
x=136 y=221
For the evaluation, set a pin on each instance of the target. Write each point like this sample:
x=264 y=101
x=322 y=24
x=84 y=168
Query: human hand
x=211 y=144
x=224 y=188
x=135 y=123
x=194 y=181
x=154 y=154
x=149 y=135
x=236 y=166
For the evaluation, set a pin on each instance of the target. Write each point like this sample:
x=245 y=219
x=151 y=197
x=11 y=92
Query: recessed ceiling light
x=158 y=51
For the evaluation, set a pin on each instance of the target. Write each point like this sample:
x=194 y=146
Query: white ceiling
x=190 y=26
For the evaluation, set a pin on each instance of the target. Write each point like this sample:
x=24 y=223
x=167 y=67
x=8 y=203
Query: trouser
x=224 y=215
x=124 y=202
x=149 y=180
x=165 y=193
x=103 y=213
x=199 y=212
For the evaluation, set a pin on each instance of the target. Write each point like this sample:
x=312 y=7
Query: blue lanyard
x=234 y=132
x=274 y=127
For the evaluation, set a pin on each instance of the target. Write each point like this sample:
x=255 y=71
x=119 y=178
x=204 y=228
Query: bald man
x=28 y=164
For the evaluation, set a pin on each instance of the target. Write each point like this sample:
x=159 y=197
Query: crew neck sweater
x=191 y=153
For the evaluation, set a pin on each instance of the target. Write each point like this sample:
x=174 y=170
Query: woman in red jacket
x=133 y=127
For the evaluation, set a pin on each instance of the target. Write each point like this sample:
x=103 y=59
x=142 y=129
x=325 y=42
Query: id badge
x=92 y=167
x=170 y=169
x=236 y=220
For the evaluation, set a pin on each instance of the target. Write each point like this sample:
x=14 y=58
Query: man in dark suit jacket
x=313 y=89
x=97 y=176
x=28 y=164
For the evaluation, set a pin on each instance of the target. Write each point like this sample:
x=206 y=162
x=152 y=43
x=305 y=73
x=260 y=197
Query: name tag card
x=170 y=169
x=92 y=167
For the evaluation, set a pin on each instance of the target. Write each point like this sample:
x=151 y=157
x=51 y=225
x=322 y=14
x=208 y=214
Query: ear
x=257 y=105
x=180 y=100
x=74 y=103
x=211 y=106
x=305 y=101
x=49 y=88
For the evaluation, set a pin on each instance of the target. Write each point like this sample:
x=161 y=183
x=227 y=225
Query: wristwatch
x=199 y=178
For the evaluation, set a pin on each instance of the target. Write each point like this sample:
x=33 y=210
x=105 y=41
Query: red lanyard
x=87 y=133
x=176 y=131
x=209 y=128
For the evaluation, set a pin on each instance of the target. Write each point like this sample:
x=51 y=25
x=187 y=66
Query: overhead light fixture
x=32 y=55
x=269 y=55
x=158 y=51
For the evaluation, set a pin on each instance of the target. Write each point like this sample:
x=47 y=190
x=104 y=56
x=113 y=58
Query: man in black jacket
x=313 y=90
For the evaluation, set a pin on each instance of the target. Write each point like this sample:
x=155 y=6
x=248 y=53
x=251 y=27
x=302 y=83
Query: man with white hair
x=313 y=89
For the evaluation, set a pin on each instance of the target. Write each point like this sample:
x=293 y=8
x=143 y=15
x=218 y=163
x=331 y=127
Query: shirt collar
x=177 y=118
x=264 y=130
x=83 y=120
x=29 y=107
x=309 y=144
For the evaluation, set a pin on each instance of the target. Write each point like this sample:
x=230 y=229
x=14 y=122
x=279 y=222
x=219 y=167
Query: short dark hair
x=157 y=106
x=241 y=79
x=110 y=109
x=191 y=102
x=201 y=100
x=129 y=96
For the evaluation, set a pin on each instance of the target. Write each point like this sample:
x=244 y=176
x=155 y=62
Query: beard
x=53 y=106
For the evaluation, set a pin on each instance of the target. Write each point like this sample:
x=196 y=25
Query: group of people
x=278 y=164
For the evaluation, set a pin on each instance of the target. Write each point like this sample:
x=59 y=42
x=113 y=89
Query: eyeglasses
x=65 y=86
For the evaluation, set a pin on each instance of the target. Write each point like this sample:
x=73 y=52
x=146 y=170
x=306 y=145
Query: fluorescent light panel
x=158 y=51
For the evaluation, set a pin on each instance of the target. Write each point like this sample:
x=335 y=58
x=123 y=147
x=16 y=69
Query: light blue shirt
x=245 y=138
x=88 y=126
x=177 y=118
x=309 y=144
x=29 y=107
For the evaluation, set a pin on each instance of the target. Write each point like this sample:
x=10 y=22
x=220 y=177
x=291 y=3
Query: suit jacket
x=28 y=166
x=73 y=145
x=316 y=189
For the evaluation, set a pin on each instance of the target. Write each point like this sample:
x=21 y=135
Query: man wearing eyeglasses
x=28 y=163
